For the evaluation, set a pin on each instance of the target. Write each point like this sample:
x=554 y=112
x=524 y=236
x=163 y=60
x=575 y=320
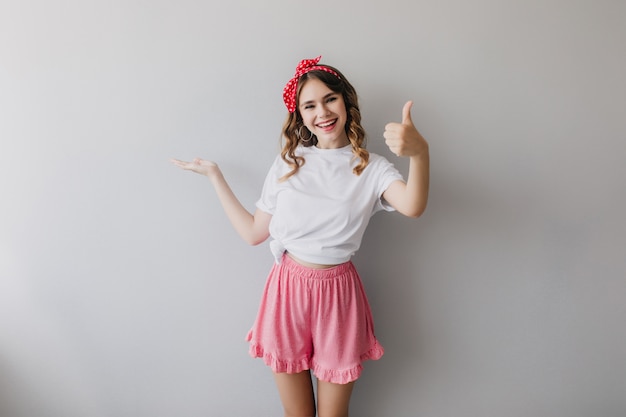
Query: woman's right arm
x=253 y=228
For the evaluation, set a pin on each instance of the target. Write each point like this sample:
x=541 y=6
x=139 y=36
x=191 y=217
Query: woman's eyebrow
x=323 y=98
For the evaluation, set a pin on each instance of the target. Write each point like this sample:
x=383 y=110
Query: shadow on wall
x=387 y=264
x=416 y=273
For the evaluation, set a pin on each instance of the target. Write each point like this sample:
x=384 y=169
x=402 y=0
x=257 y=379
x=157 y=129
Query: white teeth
x=326 y=124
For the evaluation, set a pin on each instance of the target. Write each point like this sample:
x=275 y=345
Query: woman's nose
x=323 y=110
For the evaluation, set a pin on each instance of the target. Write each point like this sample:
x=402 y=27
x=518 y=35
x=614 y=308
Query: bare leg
x=296 y=394
x=333 y=399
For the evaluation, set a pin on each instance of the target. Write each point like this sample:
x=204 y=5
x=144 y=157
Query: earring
x=299 y=135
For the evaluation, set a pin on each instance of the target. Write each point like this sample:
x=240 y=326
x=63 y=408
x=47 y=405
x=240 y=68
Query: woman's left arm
x=403 y=139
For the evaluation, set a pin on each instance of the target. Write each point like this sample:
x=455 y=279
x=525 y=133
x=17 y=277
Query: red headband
x=306 y=65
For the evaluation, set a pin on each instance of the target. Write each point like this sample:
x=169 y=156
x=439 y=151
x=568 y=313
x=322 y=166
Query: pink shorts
x=316 y=319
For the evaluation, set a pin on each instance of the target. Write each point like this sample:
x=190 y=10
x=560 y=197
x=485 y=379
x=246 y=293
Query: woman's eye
x=331 y=99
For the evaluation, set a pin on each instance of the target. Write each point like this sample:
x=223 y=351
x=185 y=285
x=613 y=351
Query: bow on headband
x=306 y=65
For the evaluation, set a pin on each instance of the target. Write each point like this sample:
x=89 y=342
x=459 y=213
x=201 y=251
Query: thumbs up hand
x=403 y=139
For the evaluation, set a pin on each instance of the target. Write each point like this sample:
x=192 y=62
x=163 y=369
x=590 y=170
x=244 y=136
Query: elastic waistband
x=317 y=273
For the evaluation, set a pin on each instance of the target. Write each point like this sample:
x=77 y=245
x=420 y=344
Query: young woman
x=315 y=204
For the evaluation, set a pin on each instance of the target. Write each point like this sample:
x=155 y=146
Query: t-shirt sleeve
x=387 y=173
x=267 y=201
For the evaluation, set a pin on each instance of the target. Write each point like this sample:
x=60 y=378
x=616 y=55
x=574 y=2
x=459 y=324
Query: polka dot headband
x=306 y=65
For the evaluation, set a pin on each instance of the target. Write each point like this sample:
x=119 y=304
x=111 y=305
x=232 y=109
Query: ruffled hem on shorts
x=277 y=365
x=343 y=376
x=337 y=377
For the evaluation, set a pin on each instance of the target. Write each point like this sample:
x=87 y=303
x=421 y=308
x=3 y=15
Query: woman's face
x=324 y=113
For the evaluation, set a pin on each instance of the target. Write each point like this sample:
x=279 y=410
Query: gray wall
x=124 y=292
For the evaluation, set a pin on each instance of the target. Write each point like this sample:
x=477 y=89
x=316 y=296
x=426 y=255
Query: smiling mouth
x=327 y=125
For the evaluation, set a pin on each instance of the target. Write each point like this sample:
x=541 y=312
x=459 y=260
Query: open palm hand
x=198 y=165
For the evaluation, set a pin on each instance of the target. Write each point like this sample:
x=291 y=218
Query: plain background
x=124 y=291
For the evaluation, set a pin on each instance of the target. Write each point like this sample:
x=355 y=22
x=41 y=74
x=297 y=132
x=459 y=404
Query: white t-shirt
x=320 y=213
